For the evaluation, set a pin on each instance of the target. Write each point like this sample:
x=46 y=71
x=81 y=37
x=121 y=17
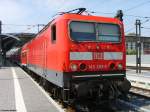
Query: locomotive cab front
x=96 y=46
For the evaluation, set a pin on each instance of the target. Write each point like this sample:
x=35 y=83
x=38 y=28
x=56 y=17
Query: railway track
x=140 y=82
x=134 y=67
x=140 y=91
x=136 y=102
x=131 y=107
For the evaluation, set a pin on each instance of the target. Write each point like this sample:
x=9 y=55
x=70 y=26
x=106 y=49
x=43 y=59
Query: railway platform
x=19 y=92
x=131 y=61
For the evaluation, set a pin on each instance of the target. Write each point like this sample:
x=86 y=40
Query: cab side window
x=53 y=33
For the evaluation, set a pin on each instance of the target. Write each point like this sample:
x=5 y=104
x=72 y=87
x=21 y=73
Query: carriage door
x=45 y=58
x=25 y=55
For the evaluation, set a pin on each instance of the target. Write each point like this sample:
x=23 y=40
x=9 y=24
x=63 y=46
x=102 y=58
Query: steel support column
x=138 y=46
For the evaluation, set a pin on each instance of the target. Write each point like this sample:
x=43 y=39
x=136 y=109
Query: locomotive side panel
x=47 y=53
x=57 y=54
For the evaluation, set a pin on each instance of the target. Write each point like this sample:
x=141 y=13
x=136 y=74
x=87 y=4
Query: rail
x=133 y=106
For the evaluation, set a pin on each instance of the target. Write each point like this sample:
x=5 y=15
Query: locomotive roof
x=88 y=18
x=79 y=17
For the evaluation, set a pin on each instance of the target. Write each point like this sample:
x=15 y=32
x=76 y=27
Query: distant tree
x=130 y=52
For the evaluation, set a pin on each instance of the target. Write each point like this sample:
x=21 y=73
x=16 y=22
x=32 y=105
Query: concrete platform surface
x=131 y=60
x=19 y=93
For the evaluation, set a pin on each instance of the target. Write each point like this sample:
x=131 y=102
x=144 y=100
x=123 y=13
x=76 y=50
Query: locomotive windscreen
x=90 y=31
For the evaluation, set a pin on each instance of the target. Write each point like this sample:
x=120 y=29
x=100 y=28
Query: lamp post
x=138 y=46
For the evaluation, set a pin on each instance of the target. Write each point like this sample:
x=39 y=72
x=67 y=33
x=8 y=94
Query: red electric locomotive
x=81 y=55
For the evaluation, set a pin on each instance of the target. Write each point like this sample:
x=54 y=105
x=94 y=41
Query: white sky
x=17 y=14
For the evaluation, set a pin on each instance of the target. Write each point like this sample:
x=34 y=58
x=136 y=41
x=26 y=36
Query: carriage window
x=53 y=33
x=108 y=33
x=82 y=31
x=24 y=54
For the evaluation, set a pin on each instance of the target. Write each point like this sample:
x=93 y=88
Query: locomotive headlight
x=112 y=66
x=83 y=66
x=120 y=66
x=73 y=67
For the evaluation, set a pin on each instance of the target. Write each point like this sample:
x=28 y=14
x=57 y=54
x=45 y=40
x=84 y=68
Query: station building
x=131 y=44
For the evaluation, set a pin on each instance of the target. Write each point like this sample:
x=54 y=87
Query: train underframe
x=94 y=88
x=99 y=90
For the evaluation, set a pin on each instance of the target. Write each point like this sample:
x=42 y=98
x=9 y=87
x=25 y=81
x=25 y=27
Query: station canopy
x=8 y=41
x=11 y=40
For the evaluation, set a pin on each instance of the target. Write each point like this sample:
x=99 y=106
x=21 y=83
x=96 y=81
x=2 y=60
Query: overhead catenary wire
x=22 y=24
x=109 y=13
x=132 y=28
x=147 y=20
x=112 y=13
x=137 y=6
x=29 y=27
x=145 y=28
x=136 y=16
